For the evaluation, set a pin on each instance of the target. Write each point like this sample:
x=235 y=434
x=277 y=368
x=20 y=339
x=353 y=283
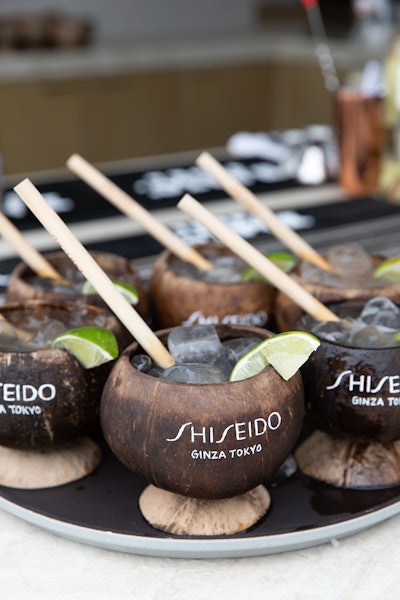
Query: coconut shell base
x=347 y=463
x=38 y=469
x=180 y=515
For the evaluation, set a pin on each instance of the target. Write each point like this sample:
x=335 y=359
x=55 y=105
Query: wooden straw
x=26 y=251
x=31 y=257
x=23 y=335
x=281 y=231
x=93 y=273
x=126 y=204
x=256 y=259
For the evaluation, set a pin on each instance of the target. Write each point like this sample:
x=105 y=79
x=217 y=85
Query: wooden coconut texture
x=347 y=463
x=181 y=515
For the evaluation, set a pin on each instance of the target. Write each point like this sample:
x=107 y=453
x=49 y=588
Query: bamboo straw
x=126 y=204
x=256 y=259
x=31 y=257
x=93 y=273
x=23 y=335
x=281 y=231
x=26 y=251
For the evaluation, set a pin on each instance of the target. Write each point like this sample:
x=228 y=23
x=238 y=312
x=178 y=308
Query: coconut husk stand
x=36 y=469
x=180 y=515
x=348 y=463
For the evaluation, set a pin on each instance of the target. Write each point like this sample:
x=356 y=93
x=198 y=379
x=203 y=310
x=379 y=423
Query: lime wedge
x=283 y=260
x=90 y=345
x=396 y=337
x=388 y=269
x=126 y=289
x=285 y=352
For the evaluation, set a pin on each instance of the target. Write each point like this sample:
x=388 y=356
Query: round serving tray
x=102 y=510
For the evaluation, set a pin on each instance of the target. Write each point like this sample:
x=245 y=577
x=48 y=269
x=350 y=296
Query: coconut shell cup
x=21 y=286
x=353 y=391
x=287 y=312
x=47 y=398
x=209 y=441
x=352 y=398
x=180 y=300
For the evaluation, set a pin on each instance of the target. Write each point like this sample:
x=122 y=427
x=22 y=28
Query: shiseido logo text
x=18 y=398
x=365 y=383
x=256 y=319
x=234 y=432
x=368 y=391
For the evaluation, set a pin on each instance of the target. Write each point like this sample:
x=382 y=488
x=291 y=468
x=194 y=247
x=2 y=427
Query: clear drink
x=376 y=326
x=200 y=356
x=26 y=331
x=24 y=284
x=226 y=269
x=353 y=266
x=358 y=276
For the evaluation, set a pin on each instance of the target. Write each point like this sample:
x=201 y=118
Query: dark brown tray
x=102 y=510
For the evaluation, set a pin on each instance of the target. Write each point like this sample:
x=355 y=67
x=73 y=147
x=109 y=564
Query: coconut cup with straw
x=352 y=402
x=169 y=433
x=25 y=284
x=333 y=288
x=49 y=403
x=351 y=393
x=54 y=277
x=313 y=272
x=186 y=286
x=182 y=295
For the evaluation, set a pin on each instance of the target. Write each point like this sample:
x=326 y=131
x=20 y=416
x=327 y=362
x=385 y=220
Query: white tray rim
x=201 y=548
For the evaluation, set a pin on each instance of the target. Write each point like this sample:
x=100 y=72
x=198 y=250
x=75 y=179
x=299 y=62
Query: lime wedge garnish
x=91 y=346
x=285 y=352
x=388 y=269
x=396 y=337
x=283 y=260
x=126 y=289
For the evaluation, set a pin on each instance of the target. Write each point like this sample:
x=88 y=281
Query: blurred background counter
x=114 y=98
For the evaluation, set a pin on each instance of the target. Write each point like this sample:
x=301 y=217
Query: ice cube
x=144 y=364
x=226 y=269
x=237 y=347
x=141 y=362
x=193 y=373
x=368 y=337
x=197 y=343
x=350 y=260
x=46 y=333
x=48 y=284
x=381 y=312
x=333 y=331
